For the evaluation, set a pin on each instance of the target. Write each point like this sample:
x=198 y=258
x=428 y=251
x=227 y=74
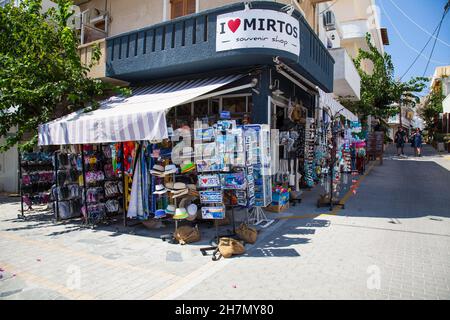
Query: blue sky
x=410 y=37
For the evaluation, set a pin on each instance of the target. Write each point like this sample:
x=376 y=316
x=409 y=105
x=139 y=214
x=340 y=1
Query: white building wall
x=9 y=170
x=446 y=104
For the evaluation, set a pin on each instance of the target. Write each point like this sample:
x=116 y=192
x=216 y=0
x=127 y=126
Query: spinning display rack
x=35 y=179
x=87 y=185
x=67 y=193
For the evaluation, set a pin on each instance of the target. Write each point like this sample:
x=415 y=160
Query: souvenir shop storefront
x=145 y=159
x=251 y=129
x=165 y=165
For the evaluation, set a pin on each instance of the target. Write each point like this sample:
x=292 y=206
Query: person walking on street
x=417 y=142
x=399 y=140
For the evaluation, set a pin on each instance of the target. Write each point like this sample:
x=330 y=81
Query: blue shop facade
x=253 y=63
x=279 y=57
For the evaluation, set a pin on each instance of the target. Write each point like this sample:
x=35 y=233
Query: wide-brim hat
x=180 y=193
x=160 y=213
x=157 y=170
x=170 y=168
x=192 y=212
x=178 y=186
x=180 y=213
x=169 y=186
x=160 y=189
x=170 y=209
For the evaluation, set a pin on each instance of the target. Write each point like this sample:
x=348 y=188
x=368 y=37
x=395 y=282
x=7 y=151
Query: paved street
x=392 y=241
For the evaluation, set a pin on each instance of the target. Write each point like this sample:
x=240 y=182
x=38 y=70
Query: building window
x=234 y=105
x=239 y=106
x=179 y=8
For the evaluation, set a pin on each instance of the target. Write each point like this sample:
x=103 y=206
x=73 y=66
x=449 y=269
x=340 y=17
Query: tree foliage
x=379 y=90
x=431 y=108
x=41 y=74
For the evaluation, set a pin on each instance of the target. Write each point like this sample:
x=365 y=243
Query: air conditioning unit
x=334 y=39
x=329 y=20
x=97 y=16
x=94 y=25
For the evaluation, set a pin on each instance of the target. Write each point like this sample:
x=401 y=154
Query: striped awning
x=327 y=100
x=140 y=116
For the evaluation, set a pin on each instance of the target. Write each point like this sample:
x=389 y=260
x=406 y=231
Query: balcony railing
x=187 y=45
x=347 y=82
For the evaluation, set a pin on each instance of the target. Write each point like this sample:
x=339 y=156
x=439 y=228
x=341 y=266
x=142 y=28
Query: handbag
x=187 y=234
x=246 y=233
x=229 y=246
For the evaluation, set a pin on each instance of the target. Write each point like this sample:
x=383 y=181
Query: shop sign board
x=233 y=181
x=208 y=181
x=209 y=196
x=213 y=212
x=258 y=28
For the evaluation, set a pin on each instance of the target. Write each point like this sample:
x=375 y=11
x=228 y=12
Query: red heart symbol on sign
x=205 y=181
x=234 y=24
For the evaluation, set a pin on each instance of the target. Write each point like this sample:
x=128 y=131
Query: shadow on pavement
x=281 y=242
x=9 y=199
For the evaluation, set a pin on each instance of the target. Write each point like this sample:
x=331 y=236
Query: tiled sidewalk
x=392 y=241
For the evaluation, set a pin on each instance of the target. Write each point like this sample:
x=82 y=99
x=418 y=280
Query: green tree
x=41 y=74
x=431 y=108
x=379 y=89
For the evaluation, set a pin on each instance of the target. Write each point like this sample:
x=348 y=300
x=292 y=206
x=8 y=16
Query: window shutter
x=181 y=8
x=190 y=4
x=176 y=8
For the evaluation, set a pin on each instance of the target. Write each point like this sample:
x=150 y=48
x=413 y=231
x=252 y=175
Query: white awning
x=327 y=100
x=138 y=117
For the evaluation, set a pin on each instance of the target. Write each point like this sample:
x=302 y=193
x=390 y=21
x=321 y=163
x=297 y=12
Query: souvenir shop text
x=257 y=29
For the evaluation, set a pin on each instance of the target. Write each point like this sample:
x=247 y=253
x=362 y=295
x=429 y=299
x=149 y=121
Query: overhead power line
x=417 y=25
x=403 y=39
x=420 y=53
x=439 y=29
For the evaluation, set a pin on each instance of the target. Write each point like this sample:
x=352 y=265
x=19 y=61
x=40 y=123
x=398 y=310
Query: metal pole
x=56 y=187
x=124 y=201
x=20 y=185
x=84 y=183
x=333 y=160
